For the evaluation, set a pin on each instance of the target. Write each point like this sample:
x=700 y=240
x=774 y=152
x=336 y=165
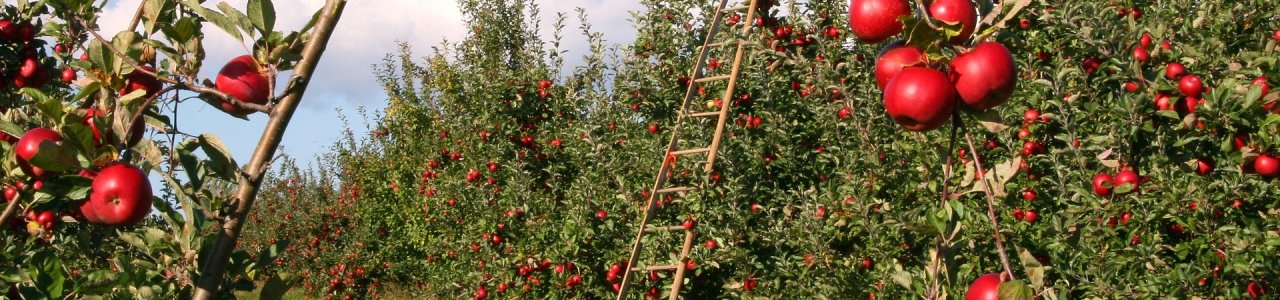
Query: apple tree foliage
x=497 y=169
x=141 y=74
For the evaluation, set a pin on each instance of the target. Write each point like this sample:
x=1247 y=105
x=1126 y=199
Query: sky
x=344 y=80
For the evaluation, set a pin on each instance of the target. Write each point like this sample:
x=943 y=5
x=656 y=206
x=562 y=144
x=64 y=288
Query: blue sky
x=344 y=81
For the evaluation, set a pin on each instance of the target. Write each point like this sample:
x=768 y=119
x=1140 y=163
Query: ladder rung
x=718 y=44
x=736 y=8
x=675 y=189
x=705 y=114
x=713 y=78
x=657 y=268
x=691 y=151
x=663 y=228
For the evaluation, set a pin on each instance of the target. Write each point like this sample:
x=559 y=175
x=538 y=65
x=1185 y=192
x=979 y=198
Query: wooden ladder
x=698 y=77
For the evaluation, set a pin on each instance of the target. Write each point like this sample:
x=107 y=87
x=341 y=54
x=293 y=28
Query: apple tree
x=90 y=121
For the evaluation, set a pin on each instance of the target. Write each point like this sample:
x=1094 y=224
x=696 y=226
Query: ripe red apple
x=1174 y=71
x=1091 y=64
x=138 y=80
x=1163 y=102
x=986 y=287
x=1145 y=40
x=1029 y=195
x=9 y=31
x=1140 y=54
x=1128 y=177
x=1131 y=87
x=29 y=68
x=29 y=145
x=1030 y=116
x=1266 y=165
x=873 y=21
x=1255 y=289
x=242 y=79
x=1102 y=184
x=984 y=76
x=1030 y=216
x=920 y=98
x=956 y=11
x=1204 y=166
x=893 y=58
x=1191 y=86
x=68 y=75
x=1276 y=35
x=1030 y=148
x=120 y=196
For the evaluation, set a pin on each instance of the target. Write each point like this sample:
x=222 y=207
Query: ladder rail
x=651 y=204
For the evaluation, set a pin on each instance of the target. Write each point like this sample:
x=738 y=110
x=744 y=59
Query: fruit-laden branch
x=215 y=263
x=224 y=97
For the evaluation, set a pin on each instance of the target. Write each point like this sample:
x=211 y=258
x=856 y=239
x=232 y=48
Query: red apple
x=1131 y=87
x=138 y=80
x=29 y=145
x=920 y=98
x=893 y=58
x=1163 y=102
x=1266 y=165
x=1091 y=64
x=873 y=21
x=242 y=79
x=1030 y=116
x=986 y=287
x=1140 y=54
x=120 y=196
x=1191 y=86
x=68 y=75
x=1102 y=184
x=984 y=76
x=1204 y=166
x=1145 y=40
x=9 y=31
x=1174 y=70
x=953 y=12
x=1255 y=289
x=1128 y=177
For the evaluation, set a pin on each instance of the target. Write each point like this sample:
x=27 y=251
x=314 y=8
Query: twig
x=8 y=211
x=991 y=206
x=224 y=97
x=946 y=180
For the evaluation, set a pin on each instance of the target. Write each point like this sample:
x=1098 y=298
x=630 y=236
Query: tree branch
x=224 y=97
x=211 y=276
x=991 y=206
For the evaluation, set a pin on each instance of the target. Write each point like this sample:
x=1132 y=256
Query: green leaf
x=263 y=15
x=234 y=15
x=49 y=107
x=135 y=240
x=219 y=161
x=276 y=286
x=218 y=19
x=55 y=158
x=1015 y=290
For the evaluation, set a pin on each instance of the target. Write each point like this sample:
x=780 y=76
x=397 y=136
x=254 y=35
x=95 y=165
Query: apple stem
x=991 y=206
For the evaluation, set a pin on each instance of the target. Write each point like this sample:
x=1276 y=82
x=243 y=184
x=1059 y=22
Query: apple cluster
x=918 y=93
x=26 y=71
